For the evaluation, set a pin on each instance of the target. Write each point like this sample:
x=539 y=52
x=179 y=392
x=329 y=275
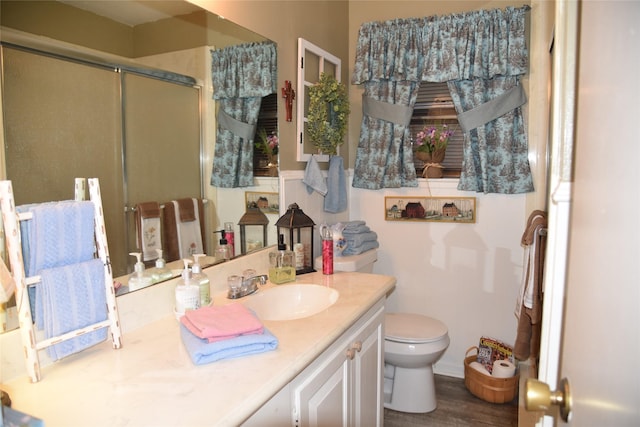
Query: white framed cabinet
x=343 y=387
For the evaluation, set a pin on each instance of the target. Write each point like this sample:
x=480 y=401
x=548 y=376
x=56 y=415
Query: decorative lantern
x=297 y=229
x=250 y=224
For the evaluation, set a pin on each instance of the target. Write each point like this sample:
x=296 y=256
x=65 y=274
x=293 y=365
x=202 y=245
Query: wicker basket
x=486 y=387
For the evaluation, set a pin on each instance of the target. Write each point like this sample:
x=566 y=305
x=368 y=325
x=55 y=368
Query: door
x=592 y=296
x=322 y=399
x=368 y=361
x=162 y=144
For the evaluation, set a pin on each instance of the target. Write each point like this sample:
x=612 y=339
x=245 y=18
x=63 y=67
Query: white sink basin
x=288 y=302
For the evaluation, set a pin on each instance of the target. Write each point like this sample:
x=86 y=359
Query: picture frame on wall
x=267 y=202
x=431 y=209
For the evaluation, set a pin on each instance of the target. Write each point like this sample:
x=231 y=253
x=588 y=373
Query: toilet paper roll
x=503 y=369
x=479 y=367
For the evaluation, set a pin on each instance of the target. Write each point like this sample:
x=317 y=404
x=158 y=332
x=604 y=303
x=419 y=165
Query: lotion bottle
x=282 y=264
x=231 y=238
x=140 y=278
x=201 y=279
x=160 y=272
x=187 y=292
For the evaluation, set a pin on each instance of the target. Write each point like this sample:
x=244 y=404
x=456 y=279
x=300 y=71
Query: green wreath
x=328 y=113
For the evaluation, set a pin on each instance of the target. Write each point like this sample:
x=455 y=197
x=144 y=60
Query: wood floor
x=457 y=408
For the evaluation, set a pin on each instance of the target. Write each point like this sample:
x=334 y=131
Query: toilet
x=412 y=344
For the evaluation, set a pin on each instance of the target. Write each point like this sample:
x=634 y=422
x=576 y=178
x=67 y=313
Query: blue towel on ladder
x=202 y=351
x=336 y=199
x=68 y=298
x=60 y=233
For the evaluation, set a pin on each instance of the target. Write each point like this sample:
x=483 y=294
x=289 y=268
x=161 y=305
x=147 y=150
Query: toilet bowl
x=412 y=344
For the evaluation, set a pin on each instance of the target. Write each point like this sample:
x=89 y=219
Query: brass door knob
x=539 y=397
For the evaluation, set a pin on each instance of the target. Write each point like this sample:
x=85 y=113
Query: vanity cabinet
x=343 y=387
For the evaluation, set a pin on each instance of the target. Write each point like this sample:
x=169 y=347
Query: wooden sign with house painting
x=435 y=209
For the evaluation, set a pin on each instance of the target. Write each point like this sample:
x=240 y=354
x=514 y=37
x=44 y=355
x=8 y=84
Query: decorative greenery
x=267 y=144
x=328 y=113
x=432 y=138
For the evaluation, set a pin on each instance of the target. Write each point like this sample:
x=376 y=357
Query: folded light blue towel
x=336 y=199
x=60 y=233
x=358 y=239
x=313 y=177
x=356 y=230
x=357 y=250
x=202 y=351
x=351 y=225
x=69 y=298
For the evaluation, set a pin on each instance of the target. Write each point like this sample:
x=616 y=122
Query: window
x=312 y=61
x=434 y=106
x=267 y=120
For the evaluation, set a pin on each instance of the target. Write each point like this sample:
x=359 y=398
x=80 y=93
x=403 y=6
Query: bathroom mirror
x=169 y=35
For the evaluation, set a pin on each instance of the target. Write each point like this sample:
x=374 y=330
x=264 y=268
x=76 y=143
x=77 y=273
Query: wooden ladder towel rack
x=11 y=219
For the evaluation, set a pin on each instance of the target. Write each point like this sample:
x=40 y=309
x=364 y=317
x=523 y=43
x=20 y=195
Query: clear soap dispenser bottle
x=201 y=279
x=282 y=264
x=187 y=292
x=222 y=252
x=160 y=272
x=140 y=278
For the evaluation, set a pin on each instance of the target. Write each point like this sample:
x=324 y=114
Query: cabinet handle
x=357 y=345
x=351 y=353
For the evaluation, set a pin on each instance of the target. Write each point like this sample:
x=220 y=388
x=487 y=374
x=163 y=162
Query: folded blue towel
x=68 y=298
x=336 y=199
x=358 y=239
x=60 y=233
x=350 y=225
x=357 y=250
x=313 y=177
x=202 y=351
x=356 y=230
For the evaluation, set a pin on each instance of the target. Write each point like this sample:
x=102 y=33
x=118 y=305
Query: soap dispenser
x=222 y=252
x=282 y=264
x=187 y=292
x=201 y=279
x=140 y=278
x=160 y=272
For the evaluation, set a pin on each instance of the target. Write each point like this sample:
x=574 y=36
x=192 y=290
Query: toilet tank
x=362 y=263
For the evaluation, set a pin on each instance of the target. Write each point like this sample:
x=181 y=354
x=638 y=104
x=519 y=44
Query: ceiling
x=134 y=12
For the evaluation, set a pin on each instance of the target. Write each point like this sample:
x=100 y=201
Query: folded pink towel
x=220 y=322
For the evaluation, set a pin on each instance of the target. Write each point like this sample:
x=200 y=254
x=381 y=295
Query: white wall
x=466 y=275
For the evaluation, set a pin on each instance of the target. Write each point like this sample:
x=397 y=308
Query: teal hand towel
x=313 y=178
x=336 y=199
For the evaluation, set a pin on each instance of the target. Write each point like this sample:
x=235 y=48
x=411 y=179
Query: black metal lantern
x=250 y=224
x=297 y=229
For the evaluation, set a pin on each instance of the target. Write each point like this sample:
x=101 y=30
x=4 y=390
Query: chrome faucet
x=249 y=286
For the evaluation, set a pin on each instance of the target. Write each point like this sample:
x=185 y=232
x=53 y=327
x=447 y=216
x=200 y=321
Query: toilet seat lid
x=413 y=328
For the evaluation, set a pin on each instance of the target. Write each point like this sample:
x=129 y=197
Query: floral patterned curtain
x=481 y=55
x=241 y=76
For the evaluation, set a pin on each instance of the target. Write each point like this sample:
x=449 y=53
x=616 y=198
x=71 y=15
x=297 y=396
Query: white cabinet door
x=322 y=398
x=368 y=374
x=343 y=387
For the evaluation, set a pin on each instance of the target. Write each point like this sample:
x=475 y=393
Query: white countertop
x=151 y=380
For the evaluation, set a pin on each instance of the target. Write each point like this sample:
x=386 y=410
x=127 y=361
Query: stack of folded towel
x=214 y=333
x=359 y=238
x=58 y=245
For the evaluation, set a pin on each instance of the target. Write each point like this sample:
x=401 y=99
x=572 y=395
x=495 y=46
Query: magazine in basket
x=490 y=350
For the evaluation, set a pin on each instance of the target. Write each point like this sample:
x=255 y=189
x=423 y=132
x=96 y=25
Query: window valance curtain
x=242 y=75
x=481 y=55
